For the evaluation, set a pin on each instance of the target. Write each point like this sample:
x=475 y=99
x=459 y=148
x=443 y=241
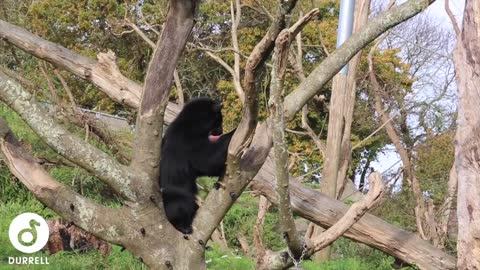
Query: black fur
x=188 y=153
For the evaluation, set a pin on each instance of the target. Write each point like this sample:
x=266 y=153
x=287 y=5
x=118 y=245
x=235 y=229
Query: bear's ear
x=217 y=107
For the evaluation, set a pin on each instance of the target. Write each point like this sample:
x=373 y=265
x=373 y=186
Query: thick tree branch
x=103 y=73
x=118 y=177
x=176 y=30
x=280 y=60
x=337 y=59
x=287 y=223
x=85 y=213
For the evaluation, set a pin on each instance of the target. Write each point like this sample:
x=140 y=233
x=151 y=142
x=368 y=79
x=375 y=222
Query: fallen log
x=371 y=230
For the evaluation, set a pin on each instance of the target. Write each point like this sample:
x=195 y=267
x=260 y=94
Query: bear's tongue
x=214 y=138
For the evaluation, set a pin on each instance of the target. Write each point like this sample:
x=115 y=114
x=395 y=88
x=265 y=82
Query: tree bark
x=158 y=81
x=467 y=147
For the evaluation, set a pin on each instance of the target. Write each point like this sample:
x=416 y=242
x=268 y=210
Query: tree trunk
x=467 y=148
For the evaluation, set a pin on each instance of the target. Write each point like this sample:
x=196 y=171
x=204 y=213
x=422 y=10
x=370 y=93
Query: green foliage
x=398 y=209
x=432 y=166
x=349 y=255
x=218 y=260
x=348 y=264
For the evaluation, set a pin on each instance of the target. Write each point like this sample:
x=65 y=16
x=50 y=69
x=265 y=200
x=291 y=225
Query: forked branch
x=354 y=213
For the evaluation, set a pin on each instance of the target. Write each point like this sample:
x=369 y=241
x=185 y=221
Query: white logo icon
x=28 y=232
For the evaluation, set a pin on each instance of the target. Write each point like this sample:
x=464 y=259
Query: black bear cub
x=192 y=146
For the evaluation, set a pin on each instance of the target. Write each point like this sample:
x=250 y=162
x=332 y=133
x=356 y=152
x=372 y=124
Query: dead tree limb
x=280 y=60
x=84 y=212
x=149 y=125
x=362 y=11
x=456 y=28
x=104 y=73
x=236 y=14
x=354 y=213
x=117 y=176
x=66 y=88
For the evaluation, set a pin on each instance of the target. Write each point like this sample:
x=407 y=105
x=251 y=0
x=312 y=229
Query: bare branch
x=140 y=33
x=322 y=148
x=456 y=28
x=447 y=205
x=235 y=78
x=51 y=86
x=362 y=10
x=420 y=210
x=178 y=88
x=354 y=213
x=296 y=62
x=263 y=205
x=176 y=78
x=118 y=177
x=66 y=88
x=236 y=16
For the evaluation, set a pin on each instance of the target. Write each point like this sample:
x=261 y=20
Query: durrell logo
x=28 y=232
